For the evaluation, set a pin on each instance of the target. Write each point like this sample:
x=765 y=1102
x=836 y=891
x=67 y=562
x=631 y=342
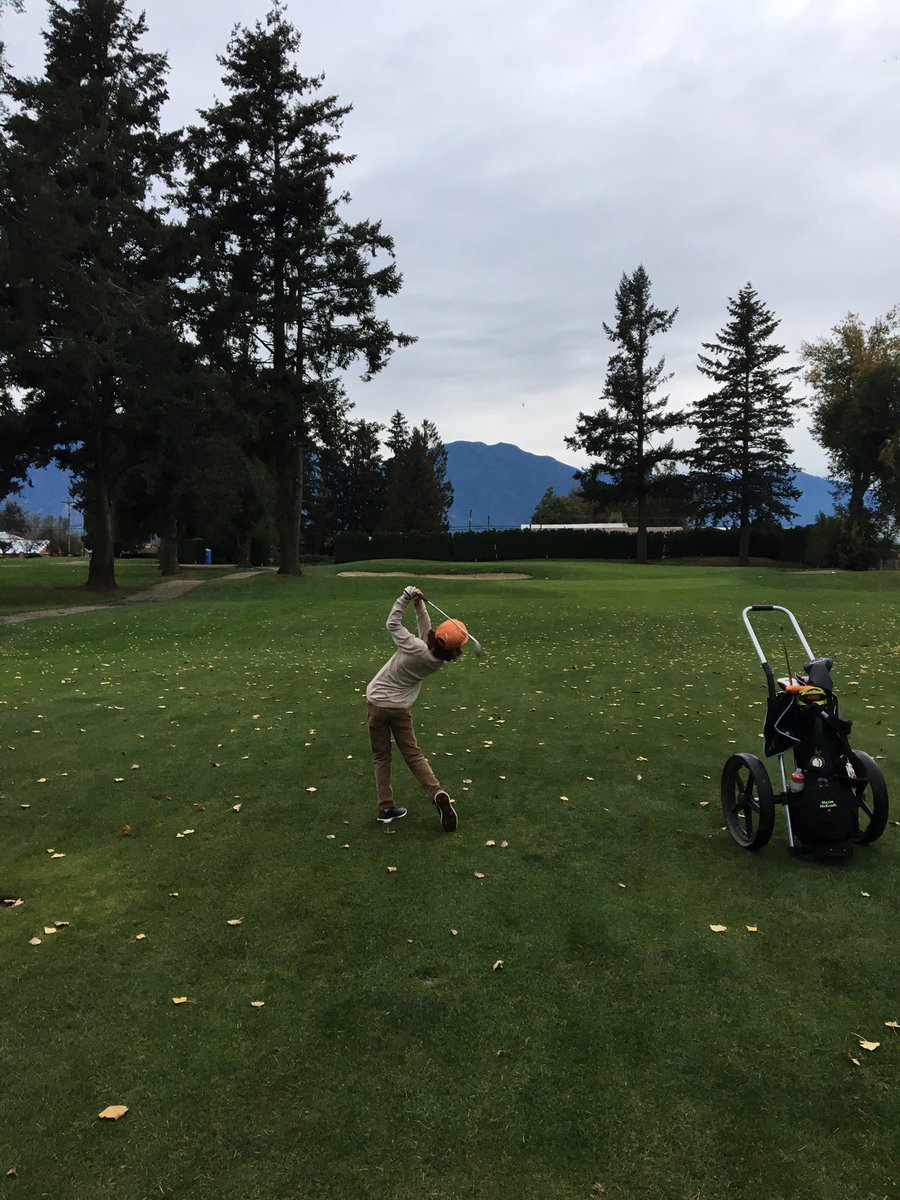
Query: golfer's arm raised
x=403 y=639
x=423 y=620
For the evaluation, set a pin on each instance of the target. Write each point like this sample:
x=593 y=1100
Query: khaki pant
x=397 y=721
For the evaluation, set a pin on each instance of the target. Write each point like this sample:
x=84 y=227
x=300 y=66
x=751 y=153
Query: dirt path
x=169 y=589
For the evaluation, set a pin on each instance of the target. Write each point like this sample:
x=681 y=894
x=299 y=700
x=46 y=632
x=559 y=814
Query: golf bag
x=822 y=802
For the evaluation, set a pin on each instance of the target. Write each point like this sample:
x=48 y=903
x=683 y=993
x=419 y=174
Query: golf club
x=476 y=645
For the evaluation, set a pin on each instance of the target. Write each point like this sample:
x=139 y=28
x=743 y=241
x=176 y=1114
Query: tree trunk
x=244 y=547
x=856 y=505
x=744 y=546
x=102 y=567
x=642 y=530
x=289 y=499
x=168 y=547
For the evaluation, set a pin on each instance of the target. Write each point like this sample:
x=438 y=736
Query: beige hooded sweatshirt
x=398 y=682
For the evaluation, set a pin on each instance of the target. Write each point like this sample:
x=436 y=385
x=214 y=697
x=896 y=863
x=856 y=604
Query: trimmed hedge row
x=788 y=545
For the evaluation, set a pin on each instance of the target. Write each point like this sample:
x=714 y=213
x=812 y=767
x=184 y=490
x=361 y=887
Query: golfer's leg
x=405 y=736
x=380 y=737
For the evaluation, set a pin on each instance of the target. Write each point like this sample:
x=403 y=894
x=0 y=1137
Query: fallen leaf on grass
x=179 y=999
x=850 y=1058
x=50 y=929
x=498 y=965
x=113 y=1112
x=62 y=924
x=455 y=932
x=35 y=941
x=718 y=928
x=391 y=870
x=893 y=1024
x=867 y=895
x=479 y=874
x=257 y=1003
x=125 y=831
x=490 y=842
x=330 y=836
x=504 y=845
x=235 y=808
x=752 y=928
x=310 y=789
x=235 y=921
x=867 y=1045
x=140 y=937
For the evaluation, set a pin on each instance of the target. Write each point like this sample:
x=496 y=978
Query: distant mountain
x=501 y=485
x=815 y=498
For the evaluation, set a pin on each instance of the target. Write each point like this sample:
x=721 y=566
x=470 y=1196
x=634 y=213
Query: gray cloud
x=525 y=153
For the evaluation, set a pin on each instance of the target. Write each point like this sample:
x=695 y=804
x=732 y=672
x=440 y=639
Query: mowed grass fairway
x=622 y=1049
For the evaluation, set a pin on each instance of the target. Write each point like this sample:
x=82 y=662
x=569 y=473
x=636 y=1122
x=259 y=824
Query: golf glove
x=410 y=592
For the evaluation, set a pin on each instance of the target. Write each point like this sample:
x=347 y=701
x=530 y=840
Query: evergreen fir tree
x=620 y=437
x=740 y=462
x=360 y=493
x=286 y=290
x=86 y=323
x=418 y=494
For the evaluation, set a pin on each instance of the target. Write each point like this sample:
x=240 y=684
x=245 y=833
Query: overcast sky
x=524 y=153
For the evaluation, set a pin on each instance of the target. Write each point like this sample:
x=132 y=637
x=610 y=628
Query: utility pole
x=68 y=528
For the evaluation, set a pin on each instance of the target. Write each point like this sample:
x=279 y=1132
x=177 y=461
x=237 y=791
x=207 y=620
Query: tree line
x=739 y=471
x=179 y=308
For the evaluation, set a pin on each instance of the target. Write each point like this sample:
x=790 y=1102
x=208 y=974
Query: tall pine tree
x=621 y=437
x=86 y=322
x=286 y=290
x=418 y=494
x=740 y=463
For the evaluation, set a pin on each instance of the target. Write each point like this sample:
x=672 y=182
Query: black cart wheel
x=872 y=798
x=747 y=801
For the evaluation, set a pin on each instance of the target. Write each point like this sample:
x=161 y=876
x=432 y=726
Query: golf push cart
x=834 y=797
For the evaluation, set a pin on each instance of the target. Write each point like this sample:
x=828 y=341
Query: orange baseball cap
x=452 y=635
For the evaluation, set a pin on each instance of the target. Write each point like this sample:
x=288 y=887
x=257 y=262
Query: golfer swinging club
x=393 y=691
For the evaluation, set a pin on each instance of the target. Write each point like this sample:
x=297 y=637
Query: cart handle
x=755 y=640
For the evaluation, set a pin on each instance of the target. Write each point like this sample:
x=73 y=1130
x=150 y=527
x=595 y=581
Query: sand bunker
x=406 y=574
